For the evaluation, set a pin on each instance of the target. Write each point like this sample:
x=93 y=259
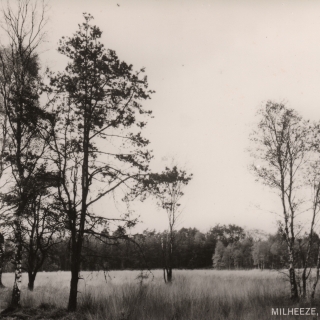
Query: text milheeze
x=293 y=312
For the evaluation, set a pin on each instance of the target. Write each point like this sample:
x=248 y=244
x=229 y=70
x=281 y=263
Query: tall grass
x=199 y=294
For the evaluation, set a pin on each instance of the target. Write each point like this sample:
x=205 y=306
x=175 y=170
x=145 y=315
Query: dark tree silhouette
x=97 y=146
x=167 y=187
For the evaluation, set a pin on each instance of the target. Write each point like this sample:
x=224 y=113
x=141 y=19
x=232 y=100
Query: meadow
x=124 y=295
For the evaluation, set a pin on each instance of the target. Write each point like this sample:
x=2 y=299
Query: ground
x=124 y=295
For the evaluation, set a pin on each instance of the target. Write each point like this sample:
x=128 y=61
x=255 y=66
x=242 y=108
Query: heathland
x=193 y=294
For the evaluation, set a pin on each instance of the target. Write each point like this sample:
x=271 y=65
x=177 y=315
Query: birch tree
x=281 y=150
x=19 y=90
x=313 y=178
x=313 y=181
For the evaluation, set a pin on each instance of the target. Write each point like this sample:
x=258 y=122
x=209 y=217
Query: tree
x=43 y=224
x=228 y=256
x=261 y=254
x=282 y=146
x=19 y=90
x=167 y=188
x=98 y=145
x=218 y=255
x=313 y=179
x=316 y=280
x=278 y=251
x=227 y=233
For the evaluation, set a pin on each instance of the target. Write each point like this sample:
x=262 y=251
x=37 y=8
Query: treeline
x=222 y=247
x=270 y=253
x=192 y=249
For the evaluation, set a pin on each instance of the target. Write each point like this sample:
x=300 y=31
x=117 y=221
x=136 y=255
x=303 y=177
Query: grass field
x=194 y=294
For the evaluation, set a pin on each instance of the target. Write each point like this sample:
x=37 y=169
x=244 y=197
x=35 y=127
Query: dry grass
x=199 y=294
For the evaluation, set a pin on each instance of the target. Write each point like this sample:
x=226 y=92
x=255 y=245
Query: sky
x=213 y=64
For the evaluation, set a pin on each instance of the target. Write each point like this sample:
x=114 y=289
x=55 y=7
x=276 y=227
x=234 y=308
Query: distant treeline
x=222 y=247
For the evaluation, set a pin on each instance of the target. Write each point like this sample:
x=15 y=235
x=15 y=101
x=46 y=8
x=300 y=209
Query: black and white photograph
x=159 y=159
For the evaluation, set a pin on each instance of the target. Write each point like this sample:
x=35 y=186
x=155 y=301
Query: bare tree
x=281 y=152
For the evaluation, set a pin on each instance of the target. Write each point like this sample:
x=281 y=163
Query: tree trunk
x=164 y=261
x=1 y=258
x=169 y=275
x=77 y=237
x=1 y=284
x=170 y=258
x=293 y=283
x=313 y=290
x=16 y=292
x=164 y=275
x=304 y=283
x=72 y=306
x=75 y=269
x=31 y=277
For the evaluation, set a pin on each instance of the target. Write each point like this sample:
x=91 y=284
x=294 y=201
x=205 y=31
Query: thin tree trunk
x=293 y=283
x=1 y=258
x=170 y=256
x=304 y=283
x=16 y=292
x=313 y=290
x=77 y=239
x=1 y=284
x=169 y=275
x=164 y=275
x=164 y=261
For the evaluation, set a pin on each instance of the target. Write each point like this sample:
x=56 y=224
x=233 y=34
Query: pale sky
x=212 y=65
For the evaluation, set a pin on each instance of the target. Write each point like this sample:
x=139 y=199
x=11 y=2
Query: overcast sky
x=212 y=65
